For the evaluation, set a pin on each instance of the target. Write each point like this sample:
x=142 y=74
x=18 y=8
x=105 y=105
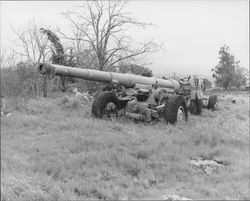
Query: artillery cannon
x=137 y=97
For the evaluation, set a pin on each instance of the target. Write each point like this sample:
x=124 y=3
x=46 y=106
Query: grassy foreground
x=51 y=152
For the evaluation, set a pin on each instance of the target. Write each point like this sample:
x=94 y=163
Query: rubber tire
x=211 y=102
x=101 y=101
x=171 y=108
x=196 y=107
x=193 y=107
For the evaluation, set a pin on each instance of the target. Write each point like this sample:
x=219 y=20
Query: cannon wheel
x=175 y=109
x=193 y=107
x=199 y=106
x=212 y=102
x=196 y=106
x=105 y=104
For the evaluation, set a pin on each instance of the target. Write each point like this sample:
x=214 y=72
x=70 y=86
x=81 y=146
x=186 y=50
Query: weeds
x=50 y=152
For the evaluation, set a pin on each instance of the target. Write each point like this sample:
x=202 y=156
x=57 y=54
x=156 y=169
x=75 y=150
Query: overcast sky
x=192 y=31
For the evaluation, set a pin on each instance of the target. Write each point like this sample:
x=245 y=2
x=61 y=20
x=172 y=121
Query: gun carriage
x=137 y=97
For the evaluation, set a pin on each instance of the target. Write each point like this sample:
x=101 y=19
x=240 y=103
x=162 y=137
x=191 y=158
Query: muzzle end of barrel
x=46 y=69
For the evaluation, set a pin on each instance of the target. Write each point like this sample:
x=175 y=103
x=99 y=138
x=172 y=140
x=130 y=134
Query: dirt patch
x=208 y=166
x=175 y=197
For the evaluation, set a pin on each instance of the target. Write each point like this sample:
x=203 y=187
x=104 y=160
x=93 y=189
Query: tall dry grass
x=52 y=152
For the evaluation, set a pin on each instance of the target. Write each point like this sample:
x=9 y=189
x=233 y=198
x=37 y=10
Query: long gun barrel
x=127 y=80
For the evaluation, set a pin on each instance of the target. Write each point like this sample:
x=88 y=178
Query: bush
x=21 y=80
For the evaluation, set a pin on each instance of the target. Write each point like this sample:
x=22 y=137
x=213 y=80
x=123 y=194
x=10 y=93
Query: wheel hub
x=180 y=114
x=111 y=110
x=110 y=107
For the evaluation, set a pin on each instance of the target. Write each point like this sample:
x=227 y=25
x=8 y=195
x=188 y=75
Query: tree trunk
x=45 y=87
x=62 y=83
x=35 y=89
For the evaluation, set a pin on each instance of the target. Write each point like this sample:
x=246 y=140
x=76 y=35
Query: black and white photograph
x=125 y=100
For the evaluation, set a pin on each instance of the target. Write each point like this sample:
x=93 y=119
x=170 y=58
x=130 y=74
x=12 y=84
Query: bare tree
x=101 y=26
x=32 y=48
x=7 y=58
x=32 y=45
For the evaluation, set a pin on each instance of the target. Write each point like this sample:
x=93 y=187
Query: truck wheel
x=212 y=101
x=175 y=109
x=105 y=105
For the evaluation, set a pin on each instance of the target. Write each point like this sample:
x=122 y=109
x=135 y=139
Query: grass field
x=51 y=152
